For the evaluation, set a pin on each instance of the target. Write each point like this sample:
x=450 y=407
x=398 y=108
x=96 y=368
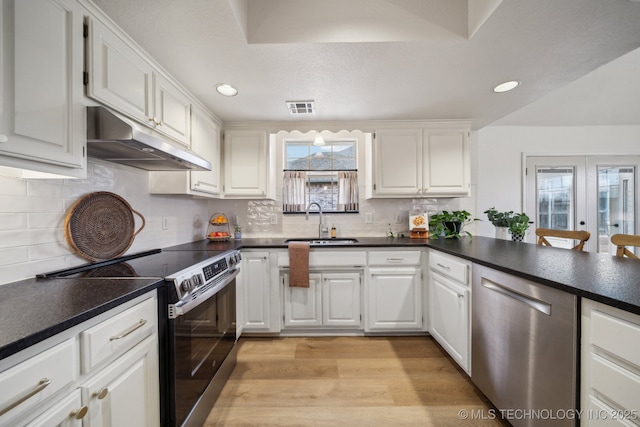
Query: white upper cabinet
x=398 y=163
x=445 y=162
x=420 y=163
x=246 y=168
x=42 y=120
x=205 y=140
x=125 y=80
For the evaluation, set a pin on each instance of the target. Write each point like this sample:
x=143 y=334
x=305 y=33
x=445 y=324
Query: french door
x=594 y=193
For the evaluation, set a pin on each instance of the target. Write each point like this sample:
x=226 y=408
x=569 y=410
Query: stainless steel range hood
x=115 y=139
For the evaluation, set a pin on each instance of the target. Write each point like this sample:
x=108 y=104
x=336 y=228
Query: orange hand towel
x=299 y=264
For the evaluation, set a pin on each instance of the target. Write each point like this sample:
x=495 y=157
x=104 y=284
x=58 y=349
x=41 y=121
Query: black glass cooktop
x=151 y=264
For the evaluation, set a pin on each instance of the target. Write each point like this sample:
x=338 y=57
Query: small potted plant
x=500 y=220
x=237 y=232
x=518 y=226
x=449 y=224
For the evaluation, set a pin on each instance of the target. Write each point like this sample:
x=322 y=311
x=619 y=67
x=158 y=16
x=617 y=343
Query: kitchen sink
x=325 y=242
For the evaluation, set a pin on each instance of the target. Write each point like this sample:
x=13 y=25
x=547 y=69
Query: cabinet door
x=118 y=76
x=394 y=299
x=303 y=306
x=398 y=162
x=245 y=164
x=449 y=317
x=126 y=393
x=205 y=141
x=42 y=120
x=68 y=412
x=446 y=163
x=341 y=299
x=254 y=275
x=172 y=111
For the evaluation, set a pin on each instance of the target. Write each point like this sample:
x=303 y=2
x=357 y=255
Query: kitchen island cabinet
x=42 y=117
x=610 y=365
x=105 y=370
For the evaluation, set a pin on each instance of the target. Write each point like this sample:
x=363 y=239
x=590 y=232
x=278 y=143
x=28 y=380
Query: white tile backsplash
x=32 y=214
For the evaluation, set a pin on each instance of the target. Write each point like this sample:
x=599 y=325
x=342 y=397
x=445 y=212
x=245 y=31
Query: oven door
x=199 y=341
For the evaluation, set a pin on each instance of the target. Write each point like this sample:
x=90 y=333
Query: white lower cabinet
x=332 y=300
x=394 y=299
x=393 y=292
x=610 y=366
x=69 y=412
x=259 y=309
x=58 y=383
x=450 y=305
x=124 y=393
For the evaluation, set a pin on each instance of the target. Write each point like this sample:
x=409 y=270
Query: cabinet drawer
x=118 y=334
x=617 y=336
x=394 y=258
x=449 y=266
x=328 y=258
x=25 y=386
x=615 y=383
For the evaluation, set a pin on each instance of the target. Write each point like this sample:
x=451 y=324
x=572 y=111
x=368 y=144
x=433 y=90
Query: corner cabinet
x=246 y=165
x=421 y=162
x=205 y=141
x=450 y=305
x=125 y=80
x=42 y=116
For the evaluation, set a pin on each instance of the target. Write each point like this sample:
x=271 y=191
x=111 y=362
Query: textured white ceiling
x=416 y=63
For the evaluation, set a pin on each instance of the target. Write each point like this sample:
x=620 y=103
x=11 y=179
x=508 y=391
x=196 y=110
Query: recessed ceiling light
x=506 y=86
x=226 y=89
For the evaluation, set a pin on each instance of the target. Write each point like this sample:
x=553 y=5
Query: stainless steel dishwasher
x=524 y=348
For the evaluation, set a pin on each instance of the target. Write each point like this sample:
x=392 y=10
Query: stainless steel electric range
x=197 y=323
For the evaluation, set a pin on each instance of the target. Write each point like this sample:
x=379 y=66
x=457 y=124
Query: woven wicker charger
x=100 y=226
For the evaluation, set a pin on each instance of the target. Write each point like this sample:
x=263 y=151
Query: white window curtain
x=294 y=191
x=348 y=191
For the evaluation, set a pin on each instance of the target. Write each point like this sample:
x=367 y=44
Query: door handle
x=541 y=306
x=582 y=222
x=616 y=225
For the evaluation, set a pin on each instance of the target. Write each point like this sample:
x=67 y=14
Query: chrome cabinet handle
x=138 y=325
x=100 y=394
x=443 y=266
x=541 y=306
x=18 y=400
x=394 y=260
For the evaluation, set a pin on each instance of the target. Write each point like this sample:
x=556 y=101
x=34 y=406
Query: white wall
x=32 y=214
x=497 y=153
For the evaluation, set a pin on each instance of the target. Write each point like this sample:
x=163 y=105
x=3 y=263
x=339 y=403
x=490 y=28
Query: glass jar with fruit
x=218 y=229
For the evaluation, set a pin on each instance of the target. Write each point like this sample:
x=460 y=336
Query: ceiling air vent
x=301 y=107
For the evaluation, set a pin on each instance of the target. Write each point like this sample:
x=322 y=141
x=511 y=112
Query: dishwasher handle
x=540 y=306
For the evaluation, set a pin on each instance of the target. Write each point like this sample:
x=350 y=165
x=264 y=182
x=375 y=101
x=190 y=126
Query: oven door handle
x=183 y=307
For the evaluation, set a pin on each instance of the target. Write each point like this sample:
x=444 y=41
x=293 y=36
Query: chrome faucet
x=322 y=230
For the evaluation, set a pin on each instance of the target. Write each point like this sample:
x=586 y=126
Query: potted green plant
x=449 y=224
x=518 y=226
x=500 y=221
x=237 y=232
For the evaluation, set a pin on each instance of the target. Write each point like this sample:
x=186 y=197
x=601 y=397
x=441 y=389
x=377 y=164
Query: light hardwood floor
x=346 y=381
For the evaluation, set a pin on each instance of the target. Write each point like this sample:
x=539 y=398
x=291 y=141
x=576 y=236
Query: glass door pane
x=556 y=196
x=616 y=203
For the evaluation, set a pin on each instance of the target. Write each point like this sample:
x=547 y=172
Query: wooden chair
x=580 y=235
x=623 y=240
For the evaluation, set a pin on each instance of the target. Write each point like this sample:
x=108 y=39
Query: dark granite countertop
x=600 y=277
x=33 y=310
